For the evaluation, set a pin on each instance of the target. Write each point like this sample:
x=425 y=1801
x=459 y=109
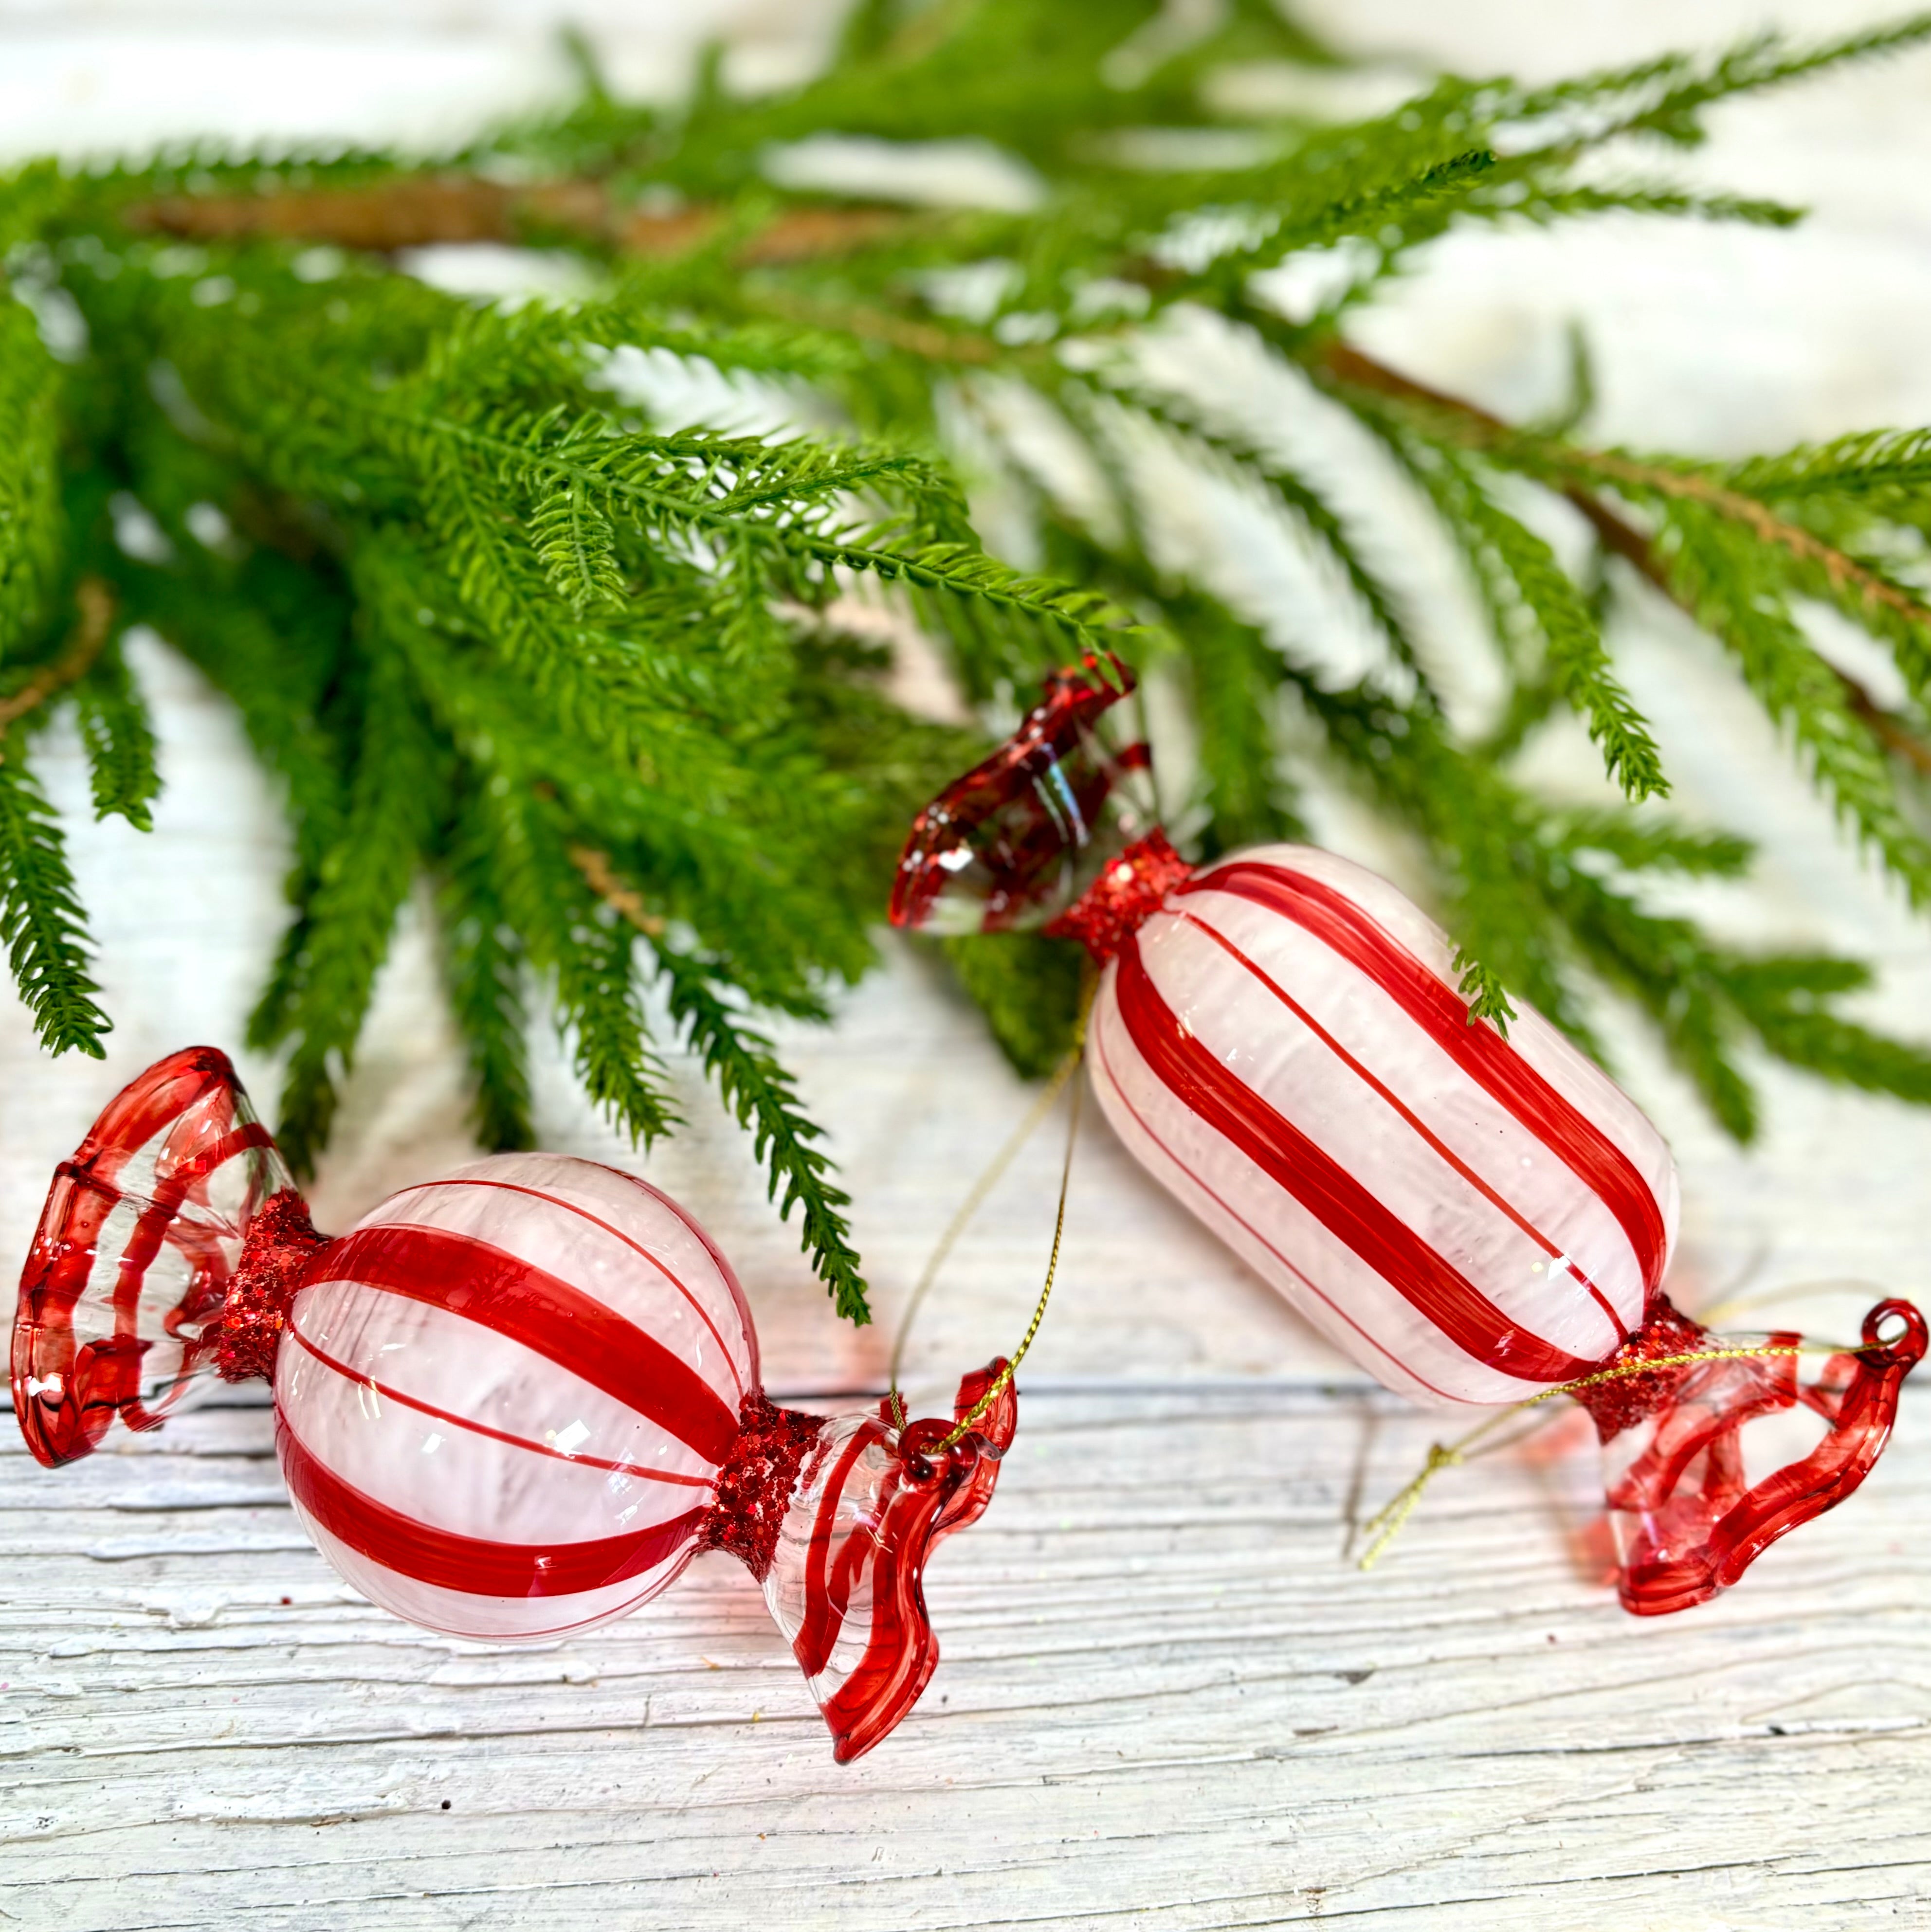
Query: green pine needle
x=119 y=739
x=763 y=1096
x=41 y=918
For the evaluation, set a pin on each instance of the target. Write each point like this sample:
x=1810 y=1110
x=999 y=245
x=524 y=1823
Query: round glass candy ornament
x=510 y=1404
x=1473 y=1219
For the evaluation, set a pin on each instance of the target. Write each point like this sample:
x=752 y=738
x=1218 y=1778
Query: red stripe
x=156 y=1222
x=1421 y=1127
x=468 y=1564
x=1233 y=1213
x=513 y=1298
x=637 y=1248
x=389 y=1393
x=1349 y=1212
x=1480 y=1052
x=828 y=1582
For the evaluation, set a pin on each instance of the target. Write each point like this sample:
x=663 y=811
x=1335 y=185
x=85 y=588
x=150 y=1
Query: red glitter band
x=1126 y=895
x=754 y=1487
x=1621 y=1404
x=274 y=1257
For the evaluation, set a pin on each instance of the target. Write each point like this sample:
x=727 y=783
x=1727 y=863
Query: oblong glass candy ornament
x=510 y=1405
x=1278 y=1038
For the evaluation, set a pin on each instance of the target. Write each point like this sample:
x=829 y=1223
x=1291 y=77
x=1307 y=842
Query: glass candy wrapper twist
x=510 y=1405
x=1473 y=1219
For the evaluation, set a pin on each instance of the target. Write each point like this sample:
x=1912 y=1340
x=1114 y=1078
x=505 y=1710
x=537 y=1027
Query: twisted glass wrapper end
x=1706 y=1464
x=118 y=1316
x=845 y=1583
x=1013 y=843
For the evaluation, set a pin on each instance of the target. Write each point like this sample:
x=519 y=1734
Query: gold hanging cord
x=1385 y=1524
x=1065 y=1071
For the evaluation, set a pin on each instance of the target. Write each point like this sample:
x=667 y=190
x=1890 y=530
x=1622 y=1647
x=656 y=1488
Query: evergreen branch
x=601 y=877
x=41 y=921
x=1305 y=502
x=1781 y=998
x=1545 y=205
x=482 y=963
x=1718 y=576
x=563 y=926
x=929 y=341
x=1568 y=470
x=394 y=804
x=1483 y=834
x=1663 y=96
x=756 y=1087
x=577 y=548
x=1651 y=845
x=489 y=620
x=411 y=210
x=1523 y=571
x=119 y=741
x=1881 y=465
x=1449 y=183
x=1236 y=683
x=765 y=502
x=32 y=526
x=1674 y=977
x=1844 y=573
x=41 y=918
x=1481 y=987
x=763 y=1097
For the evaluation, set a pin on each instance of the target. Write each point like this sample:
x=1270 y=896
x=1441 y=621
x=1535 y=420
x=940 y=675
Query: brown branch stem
x=418 y=211
x=94 y=603
x=1622 y=538
x=601 y=877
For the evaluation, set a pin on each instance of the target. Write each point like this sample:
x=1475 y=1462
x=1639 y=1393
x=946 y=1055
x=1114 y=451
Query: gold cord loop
x=1385 y=1524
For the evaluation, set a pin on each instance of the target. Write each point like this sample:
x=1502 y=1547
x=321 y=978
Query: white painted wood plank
x=1163 y=1690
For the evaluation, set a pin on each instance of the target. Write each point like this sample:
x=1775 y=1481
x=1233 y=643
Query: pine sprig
x=588 y=949
x=1722 y=578
x=32 y=526
x=1876 y=466
x=120 y=741
x=41 y=923
x=1526 y=587
x=483 y=969
x=763 y=1097
x=394 y=802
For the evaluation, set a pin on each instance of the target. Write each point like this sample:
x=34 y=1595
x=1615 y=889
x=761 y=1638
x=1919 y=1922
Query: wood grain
x=1164 y=1692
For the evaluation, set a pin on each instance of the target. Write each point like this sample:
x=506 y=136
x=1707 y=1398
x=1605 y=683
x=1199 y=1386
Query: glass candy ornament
x=1474 y=1218
x=510 y=1405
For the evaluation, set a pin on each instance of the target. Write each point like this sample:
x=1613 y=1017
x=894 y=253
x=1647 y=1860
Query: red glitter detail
x=754 y=1488
x=1125 y=895
x=1620 y=1404
x=276 y=1257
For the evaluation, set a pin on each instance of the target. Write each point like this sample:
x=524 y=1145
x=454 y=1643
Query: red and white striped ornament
x=503 y=1398
x=1476 y=1219
x=510 y=1404
x=1471 y=1219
